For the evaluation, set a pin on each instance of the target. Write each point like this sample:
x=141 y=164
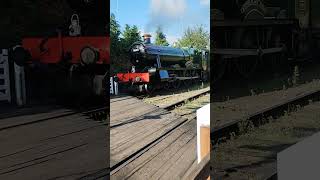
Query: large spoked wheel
x=167 y=86
x=150 y=89
x=275 y=61
x=187 y=82
x=246 y=66
x=195 y=76
x=219 y=68
x=278 y=60
x=176 y=84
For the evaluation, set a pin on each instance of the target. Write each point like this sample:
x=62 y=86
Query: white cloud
x=168 y=8
x=205 y=2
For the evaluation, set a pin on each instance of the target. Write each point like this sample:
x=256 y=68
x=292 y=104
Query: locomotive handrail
x=262 y=22
x=247 y=52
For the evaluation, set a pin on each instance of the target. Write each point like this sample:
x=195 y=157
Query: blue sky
x=174 y=16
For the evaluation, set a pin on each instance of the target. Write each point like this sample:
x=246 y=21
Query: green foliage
x=114 y=36
x=196 y=37
x=161 y=38
x=130 y=35
x=120 y=42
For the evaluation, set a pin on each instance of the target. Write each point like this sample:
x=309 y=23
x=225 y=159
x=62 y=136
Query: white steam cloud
x=163 y=13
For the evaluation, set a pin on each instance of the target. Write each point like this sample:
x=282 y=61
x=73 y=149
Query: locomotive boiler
x=156 y=67
x=248 y=34
x=144 y=54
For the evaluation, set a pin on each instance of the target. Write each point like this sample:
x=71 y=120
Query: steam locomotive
x=155 y=67
x=252 y=33
x=73 y=59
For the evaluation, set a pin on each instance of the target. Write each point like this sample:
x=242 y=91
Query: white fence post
x=113 y=87
x=19 y=80
x=5 y=94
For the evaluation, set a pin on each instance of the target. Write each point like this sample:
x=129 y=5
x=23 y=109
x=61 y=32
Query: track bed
x=240 y=108
x=254 y=154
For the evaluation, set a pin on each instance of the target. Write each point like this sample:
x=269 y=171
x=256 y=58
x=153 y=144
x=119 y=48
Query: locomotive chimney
x=147 y=38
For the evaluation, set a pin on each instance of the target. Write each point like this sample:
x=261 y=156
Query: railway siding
x=253 y=152
x=253 y=155
x=240 y=108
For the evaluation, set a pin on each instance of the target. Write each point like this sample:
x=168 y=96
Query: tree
x=130 y=35
x=196 y=37
x=120 y=42
x=114 y=36
x=161 y=38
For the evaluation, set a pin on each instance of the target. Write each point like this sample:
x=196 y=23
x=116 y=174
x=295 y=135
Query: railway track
x=170 y=102
x=256 y=118
x=169 y=108
x=223 y=132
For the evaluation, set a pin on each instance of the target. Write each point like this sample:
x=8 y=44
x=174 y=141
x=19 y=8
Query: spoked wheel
x=194 y=74
x=167 y=86
x=246 y=66
x=176 y=84
x=276 y=61
x=187 y=82
x=150 y=88
x=219 y=68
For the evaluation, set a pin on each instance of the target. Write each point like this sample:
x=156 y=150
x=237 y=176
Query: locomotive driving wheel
x=246 y=66
x=176 y=84
x=187 y=82
x=150 y=88
x=167 y=86
x=278 y=59
x=195 y=76
x=219 y=67
x=276 y=62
